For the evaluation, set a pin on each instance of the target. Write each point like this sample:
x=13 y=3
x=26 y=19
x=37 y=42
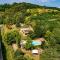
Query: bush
x=11 y=37
x=8 y=53
x=50 y=54
x=28 y=44
x=19 y=55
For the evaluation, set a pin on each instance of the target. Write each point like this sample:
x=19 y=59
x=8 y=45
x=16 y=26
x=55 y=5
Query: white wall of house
x=35 y=51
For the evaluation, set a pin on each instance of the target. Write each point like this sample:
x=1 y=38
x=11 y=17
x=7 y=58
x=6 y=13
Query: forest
x=45 y=22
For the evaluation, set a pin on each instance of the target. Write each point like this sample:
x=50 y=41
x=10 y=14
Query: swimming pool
x=34 y=43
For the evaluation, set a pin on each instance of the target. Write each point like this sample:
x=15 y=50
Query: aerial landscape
x=29 y=30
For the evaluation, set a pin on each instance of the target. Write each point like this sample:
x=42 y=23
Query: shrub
x=19 y=55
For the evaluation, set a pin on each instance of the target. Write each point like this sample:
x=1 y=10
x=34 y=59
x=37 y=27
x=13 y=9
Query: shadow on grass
x=3 y=52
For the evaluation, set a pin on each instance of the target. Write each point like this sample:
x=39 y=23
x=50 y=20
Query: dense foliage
x=19 y=55
x=12 y=37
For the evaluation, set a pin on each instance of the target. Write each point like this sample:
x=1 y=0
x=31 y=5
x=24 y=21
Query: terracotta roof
x=39 y=39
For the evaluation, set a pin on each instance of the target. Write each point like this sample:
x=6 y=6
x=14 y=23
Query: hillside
x=45 y=22
x=23 y=9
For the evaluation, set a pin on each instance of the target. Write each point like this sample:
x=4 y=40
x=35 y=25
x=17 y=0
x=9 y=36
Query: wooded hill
x=45 y=22
x=19 y=11
x=26 y=5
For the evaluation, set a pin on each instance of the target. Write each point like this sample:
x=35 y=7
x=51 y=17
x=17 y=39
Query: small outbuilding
x=35 y=51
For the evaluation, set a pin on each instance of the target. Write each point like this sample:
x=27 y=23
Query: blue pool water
x=36 y=43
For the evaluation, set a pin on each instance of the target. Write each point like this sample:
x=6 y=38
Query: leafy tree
x=19 y=55
x=0 y=35
x=40 y=29
x=32 y=35
x=28 y=44
x=11 y=37
x=50 y=54
x=1 y=20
